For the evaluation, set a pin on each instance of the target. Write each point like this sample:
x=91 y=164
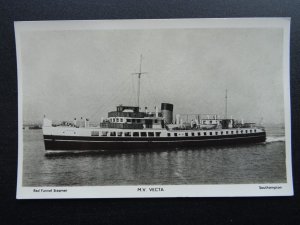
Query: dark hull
x=129 y=143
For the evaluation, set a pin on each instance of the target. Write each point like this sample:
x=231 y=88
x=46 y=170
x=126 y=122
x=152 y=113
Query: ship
x=130 y=128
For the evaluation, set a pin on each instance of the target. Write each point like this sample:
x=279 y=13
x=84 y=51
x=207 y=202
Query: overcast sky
x=68 y=74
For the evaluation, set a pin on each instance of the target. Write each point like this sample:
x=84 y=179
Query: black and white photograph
x=154 y=108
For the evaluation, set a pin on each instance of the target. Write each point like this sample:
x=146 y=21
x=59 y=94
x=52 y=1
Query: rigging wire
x=125 y=87
x=133 y=90
x=128 y=88
x=152 y=91
x=111 y=99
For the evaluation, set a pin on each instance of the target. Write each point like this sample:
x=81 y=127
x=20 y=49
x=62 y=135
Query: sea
x=240 y=164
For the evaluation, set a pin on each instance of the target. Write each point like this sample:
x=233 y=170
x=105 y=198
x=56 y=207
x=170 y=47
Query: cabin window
x=232 y=132
x=112 y=134
x=94 y=133
x=128 y=120
x=242 y=131
x=135 y=134
x=114 y=120
x=104 y=133
x=121 y=120
x=204 y=122
x=150 y=134
x=210 y=133
x=237 y=131
x=221 y=132
x=117 y=120
x=155 y=121
x=138 y=120
x=169 y=135
x=226 y=132
x=204 y=133
x=186 y=134
x=250 y=131
x=119 y=134
x=143 y=134
x=133 y=120
x=199 y=134
x=127 y=134
x=216 y=133
x=254 y=131
x=157 y=134
x=193 y=134
x=246 y=131
x=210 y=122
x=175 y=134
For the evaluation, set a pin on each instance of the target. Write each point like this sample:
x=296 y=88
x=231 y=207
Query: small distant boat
x=32 y=127
x=129 y=128
x=35 y=127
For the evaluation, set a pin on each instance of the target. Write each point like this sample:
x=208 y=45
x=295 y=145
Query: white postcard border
x=220 y=190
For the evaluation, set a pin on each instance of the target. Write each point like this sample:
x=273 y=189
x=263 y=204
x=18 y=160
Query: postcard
x=153 y=108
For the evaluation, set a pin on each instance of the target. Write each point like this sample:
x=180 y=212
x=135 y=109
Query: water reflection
x=62 y=154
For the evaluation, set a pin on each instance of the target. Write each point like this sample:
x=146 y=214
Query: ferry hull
x=73 y=143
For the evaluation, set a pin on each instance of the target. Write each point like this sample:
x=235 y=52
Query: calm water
x=257 y=163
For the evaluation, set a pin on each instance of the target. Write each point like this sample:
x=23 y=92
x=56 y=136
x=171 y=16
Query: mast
x=226 y=104
x=139 y=80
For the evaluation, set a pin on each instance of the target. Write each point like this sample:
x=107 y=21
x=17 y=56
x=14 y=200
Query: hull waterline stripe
x=155 y=141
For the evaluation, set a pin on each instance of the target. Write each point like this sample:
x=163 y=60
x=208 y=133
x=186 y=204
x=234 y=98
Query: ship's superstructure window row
x=211 y=133
x=126 y=134
x=170 y=133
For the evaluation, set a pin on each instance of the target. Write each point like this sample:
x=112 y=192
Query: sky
x=74 y=73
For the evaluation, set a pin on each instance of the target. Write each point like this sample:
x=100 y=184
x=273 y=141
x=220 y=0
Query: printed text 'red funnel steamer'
x=130 y=128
